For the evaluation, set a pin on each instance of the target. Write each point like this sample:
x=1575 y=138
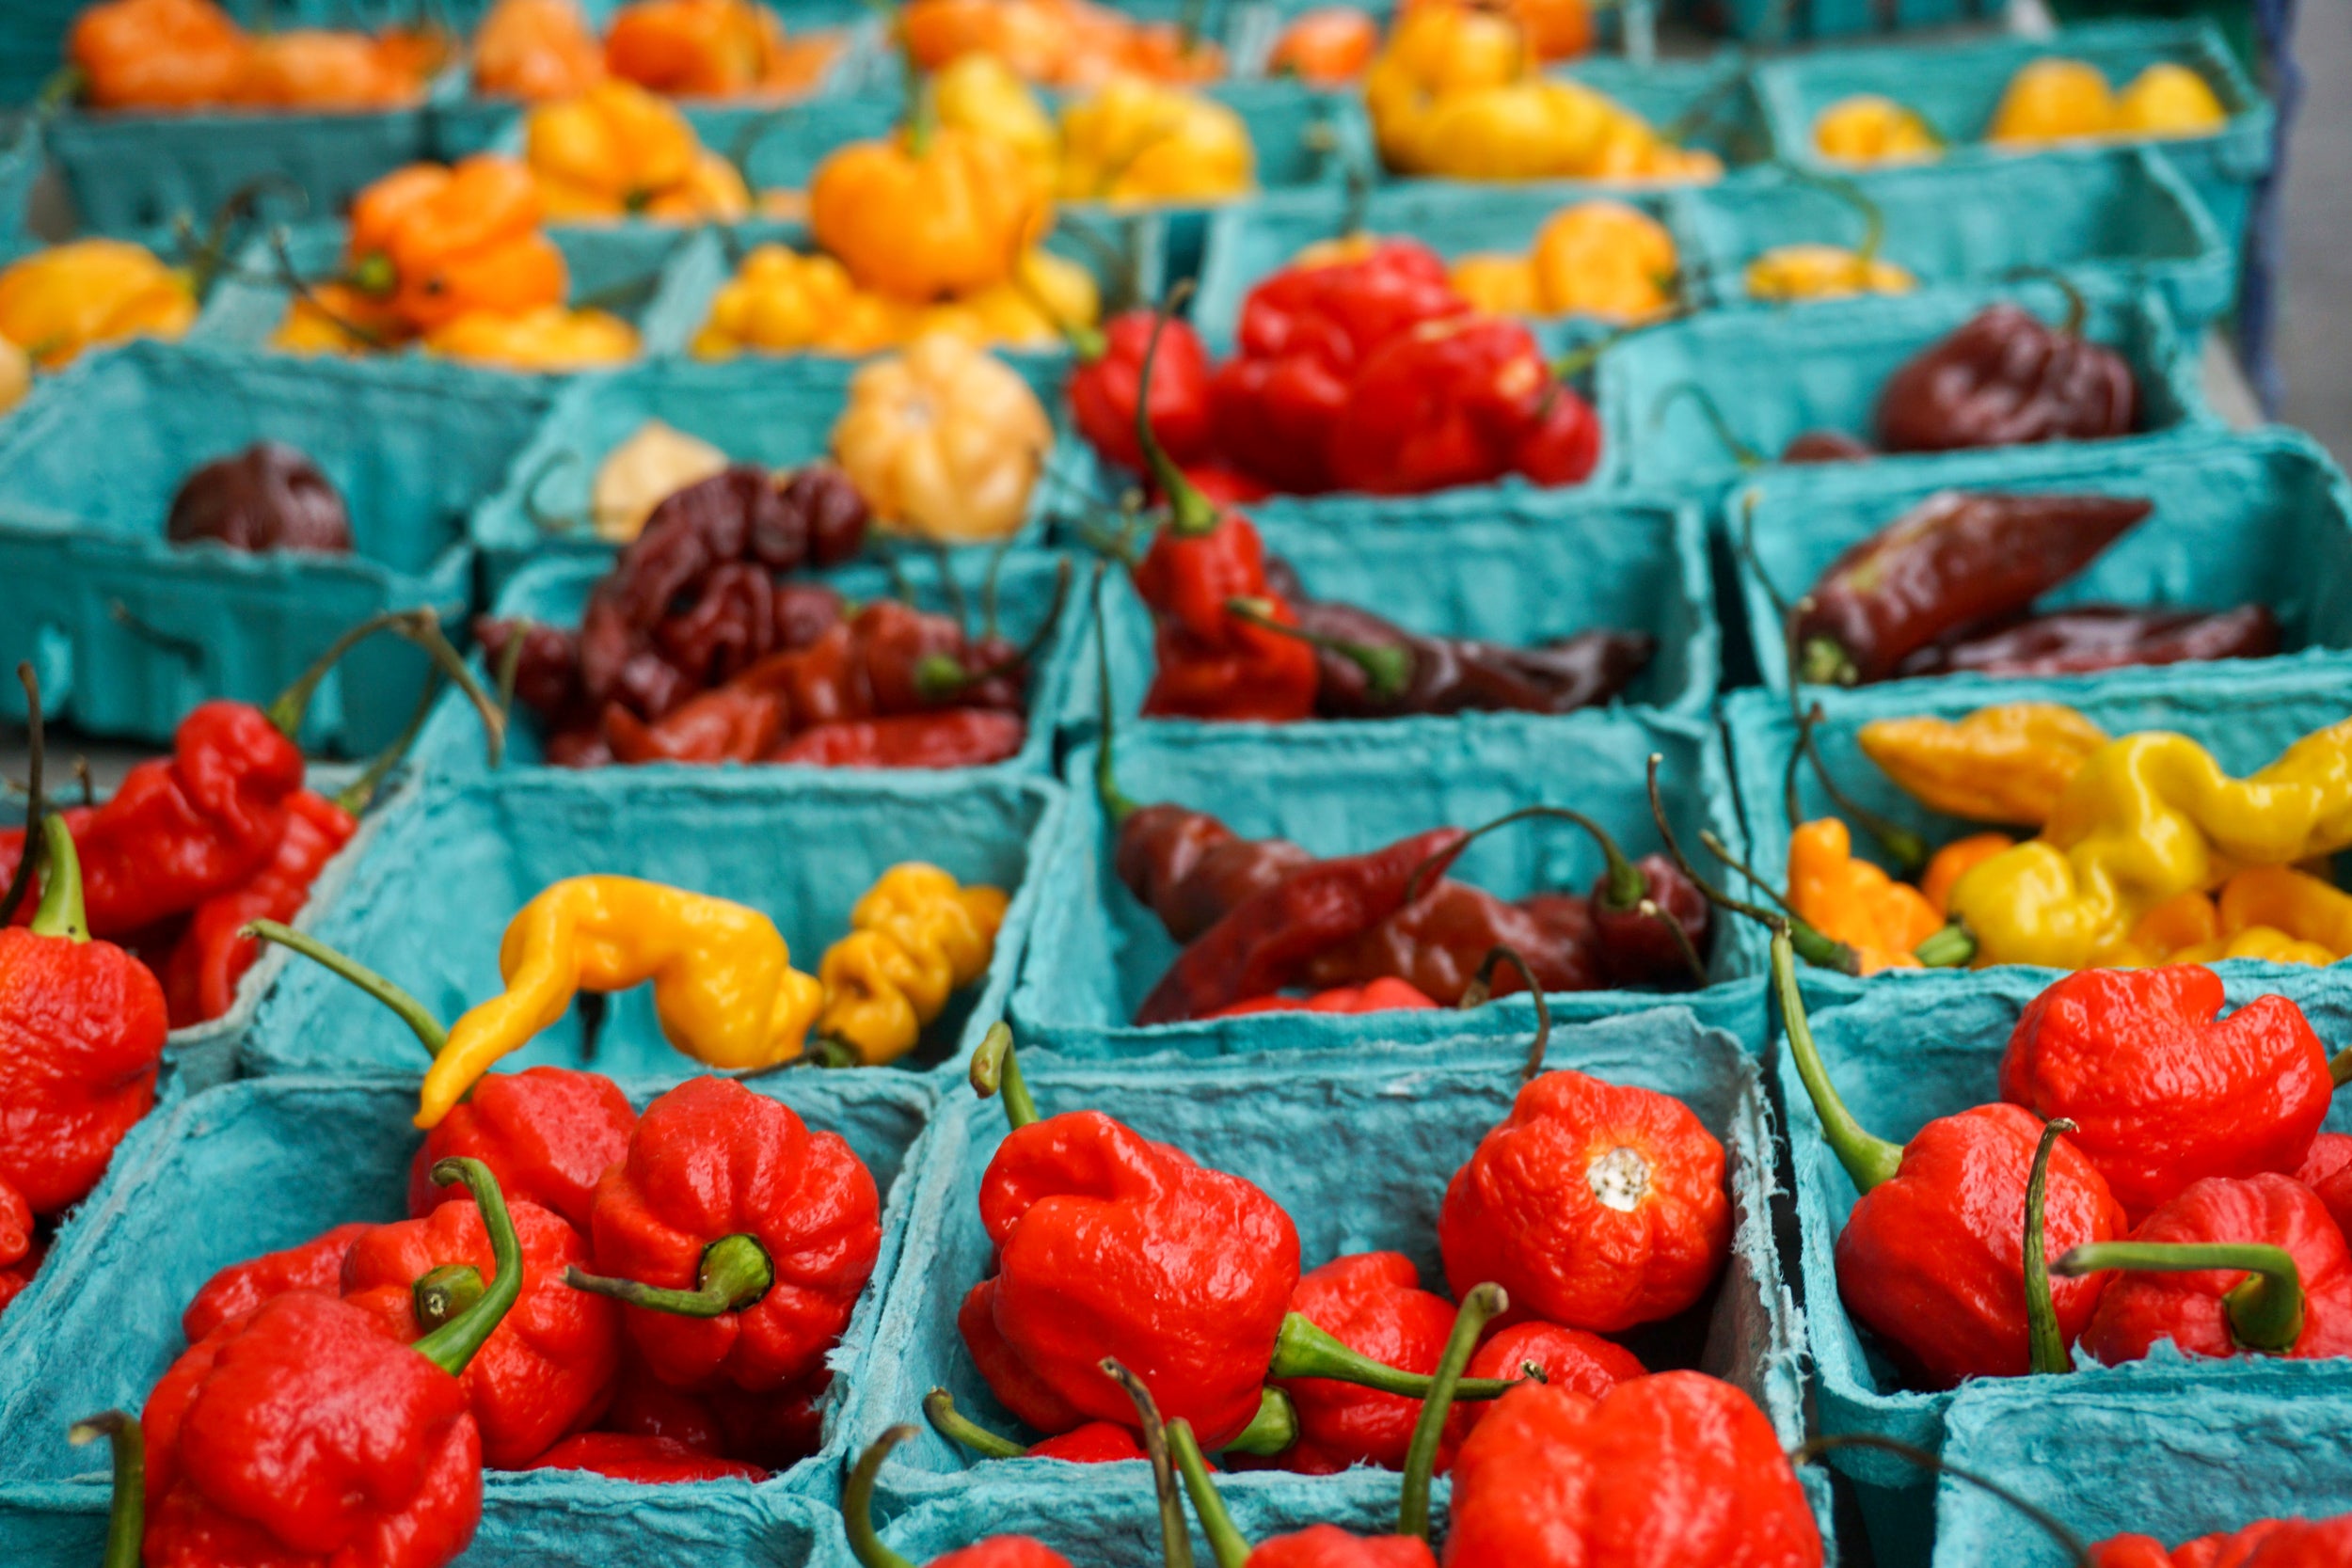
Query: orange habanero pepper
x=157 y=54
x=435 y=244
x=1853 y=901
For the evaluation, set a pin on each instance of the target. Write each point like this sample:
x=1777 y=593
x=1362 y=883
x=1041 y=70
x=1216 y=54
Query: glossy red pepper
x=727 y=723
x=1378 y=996
x=1445 y=404
x=1562 y=445
x=644 y=1407
x=737 y=1239
x=1093 y=1443
x=1189 y=868
x=2163 y=1089
x=2327 y=1171
x=1210 y=662
x=316 y=1264
x=1439 y=941
x=958 y=737
x=201 y=975
x=647 y=1461
x=19 y=1239
x=548 y=1133
x=1370 y=1302
x=2007 y=378
x=17 y=1277
x=2265 y=1544
x=1106 y=387
x=1569 y=1358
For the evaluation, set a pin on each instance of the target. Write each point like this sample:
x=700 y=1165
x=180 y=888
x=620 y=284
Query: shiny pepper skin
x=201 y=975
x=710 y=1159
x=1003 y=1551
x=1596 y=1205
x=1441 y=405
x=2007 y=378
x=1569 y=1358
x=309 y=1435
x=1850 y=900
x=1188 y=868
x=1676 y=1470
x=547 y=1134
x=82 y=1027
x=316 y=1264
x=269 y=497
x=1103 y=391
x=2163 y=1089
x=1329 y=1546
x=2327 y=1171
x=1111 y=1244
x=2265 y=1544
x=1933 y=1258
x=1372 y=1302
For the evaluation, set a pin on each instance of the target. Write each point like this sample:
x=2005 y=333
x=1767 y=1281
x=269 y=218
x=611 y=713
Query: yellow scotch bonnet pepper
x=1871 y=128
x=915 y=938
x=943 y=442
x=58 y=301
x=550 y=337
x=2169 y=100
x=1137 y=141
x=1812 y=271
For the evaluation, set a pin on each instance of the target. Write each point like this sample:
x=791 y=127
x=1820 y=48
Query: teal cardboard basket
x=1775 y=374
x=448 y=862
x=129 y=631
x=1773 y=23
x=1957 y=86
x=1341 y=789
x=1028 y=587
x=20 y=171
x=2259 y=518
x=1358 y=1152
x=267 y=1164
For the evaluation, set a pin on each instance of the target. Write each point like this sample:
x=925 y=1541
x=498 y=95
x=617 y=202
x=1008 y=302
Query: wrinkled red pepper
x=316 y=1264
x=1370 y=1302
x=2006 y=378
x=1105 y=386
x=2265 y=1544
x=201 y=975
x=1569 y=1358
x=548 y=1133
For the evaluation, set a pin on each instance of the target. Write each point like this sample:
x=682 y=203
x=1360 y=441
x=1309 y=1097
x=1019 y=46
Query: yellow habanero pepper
x=2169 y=100
x=57 y=302
x=1138 y=141
x=1497 y=283
x=617 y=150
x=2053 y=100
x=979 y=92
x=1811 y=270
x=1871 y=128
x=1853 y=901
x=2008 y=763
x=549 y=337
x=780 y=301
x=943 y=442
x=1604 y=259
x=723 y=985
x=915 y=939
x=655 y=463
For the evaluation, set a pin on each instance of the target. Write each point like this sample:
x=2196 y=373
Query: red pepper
x=2084 y=639
x=728 y=723
x=1189 y=868
x=1226 y=486
x=1095 y=1443
x=17 y=1232
x=1562 y=444
x=1438 y=941
x=644 y=1407
x=2164 y=1090
x=547 y=1132
x=737 y=1238
x=2265 y=1544
x=1378 y=996
x=82 y=1028
x=1569 y=1358
x=548 y=1369
x=775 y=1429
x=648 y=1460
x=1675 y=1470
x=2006 y=378
x=1446 y=403
x=200 y=976
x=1275 y=416
x=2327 y=1171
x=1212 y=663
x=958 y=737
x=1106 y=387
x=1370 y=1302
x=317 y=1264
x=18 y=1276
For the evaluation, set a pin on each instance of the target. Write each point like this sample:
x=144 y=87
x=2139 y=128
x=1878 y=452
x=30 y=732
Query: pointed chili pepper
x=316 y=1264
x=2084 y=639
x=1437 y=941
x=737 y=1239
x=1932 y=1257
x=865 y=1543
x=2165 y=1091
x=647 y=1461
x=549 y=1132
x=2006 y=378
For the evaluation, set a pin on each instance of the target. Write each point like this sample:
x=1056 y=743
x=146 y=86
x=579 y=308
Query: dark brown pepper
x=268 y=497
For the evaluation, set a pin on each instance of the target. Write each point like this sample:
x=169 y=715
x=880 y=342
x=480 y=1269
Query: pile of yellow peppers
x=58 y=301
x=1456 y=92
x=1598 y=259
x=2048 y=101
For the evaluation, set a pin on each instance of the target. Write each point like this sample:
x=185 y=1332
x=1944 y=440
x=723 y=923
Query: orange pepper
x=1325 y=48
x=709 y=49
x=617 y=150
x=2184 y=922
x=433 y=244
x=1955 y=861
x=548 y=337
x=1555 y=29
x=1062 y=42
x=336 y=318
x=1854 y=902
x=2306 y=907
x=311 y=68
x=535 y=50
x=157 y=54
x=919 y=217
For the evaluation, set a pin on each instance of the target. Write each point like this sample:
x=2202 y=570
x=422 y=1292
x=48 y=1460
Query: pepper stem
x=1272 y=1429
x=2265 y=1308
x=735 y=1272
x=938 y=676
x=1608 y=849
x=2044 y=1336
x=1189 y=511
x=1117 y=805
x=2056 y=1529
x=1226 y=1543
x=1483 y=1304
x=1175 y=1542
x=1388 y=669
x=1816 y=949
x=420 y=626
x=451 y=1345
x=35 y=803
x=939 y=1408
x=412 y=1012
x=1302 y=1350
x=126 y=1518
x=1681 y=939
x=359 y=794
x=61 y=913
x=857 y=1502
x=2340 y=1068
x=443 y=1293
x=996 y=1071
x=1949 y=948
x=1869 y=1160
x=2077 y=307
x=1481 y=988
x=1908 y=849
x=1712 y=411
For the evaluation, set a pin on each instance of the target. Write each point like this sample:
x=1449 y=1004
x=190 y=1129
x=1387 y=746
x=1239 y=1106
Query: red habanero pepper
x=548 y=1369
x=957 y=737
x=201 y=975
x=1933 y=1259
x=1569 y=1358
x=81 y=1030
x=17 y=1232
x=2327 y=1171
x=1107 y=384
x=548 y=1133
x=644 y=1407
x=774 y=1430
x=1370 y=1302
x=2006 y=378
x=316 y=1264
x=1226 y=486
x=647 y=1461
x=2265 y=1544
x=1383 y=995
x=1446 y=403
x=2227 y=1266
x=1274 y=417
x=737 y=1239
x=1562 y=441
x=2165 y=1091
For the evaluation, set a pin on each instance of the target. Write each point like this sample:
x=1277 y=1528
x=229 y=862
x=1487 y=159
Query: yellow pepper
x=1604 y=259
x=549 y=337
x=1137 y=141
x=2008 y=763
x=943 y=441
x=617 y=150
x=2169 y=100
x=1436 y=52
x=1810 y=271
x=2191 y=927
x=1853 y=901
x=57 y=302
x=16 y=375
x=979 y=93
x=1947 y=866
x=2148 y=816
x=2053 y=100
x=2301 y=905
x=1497 y=283
x=915 y=939
x=654 y=463
x=723 y=985
x=780 y=301
x=1871 y=128
x=1014 y=313
x=932 y=210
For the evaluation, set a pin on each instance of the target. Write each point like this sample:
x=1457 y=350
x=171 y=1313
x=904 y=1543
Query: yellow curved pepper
x=1854 y=902
x=550 y=337
x=723 y=985
x=2008 y=763
x=1810 y=270
x=2169 y=100
x=1138 y=141
x=2053 y=100
x=915 y=939
x=979 y=93
x=57 y=302
x=1871 y=128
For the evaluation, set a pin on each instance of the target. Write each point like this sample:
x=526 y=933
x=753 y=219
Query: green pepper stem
x=126 y=1518
x=1272 y=1429
x=420 y=626
x=938 y=676
x=1951 y=948
x=1303 y=1350
x=1387 y=668
x=1189 y=511
x=1869 y=1160
x=2265 y=1308
x=1117 y=805
x=735 y=1272
x=939 y=1408
x=1483 y=1304
x=2056 y=1529
x=21 y=880
x=1610 y=852
x=1908 y=849
x=2046 y=1341
x=61 y=911
x=1816 y=949
x=2340 y=1068
x=451 y=1345
x=996 y=1071
x=1481 y=988
x=857 y=1502
x=440 y=1294
x=1175 y=1542
x=1821 y=661
x=1226 y=1543
x=287 y=709
x=1743 y=454
x=412 y=1012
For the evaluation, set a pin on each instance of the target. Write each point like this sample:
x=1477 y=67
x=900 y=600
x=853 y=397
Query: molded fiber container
x=2175 y=1454
x=1348 y=789
x=1774 y=375
x=1956 y=89
x=20 y=170
x=1901 y=1057
x=267 y=1164
x=1773 y=23
x=556 y=593
x=448 y=862
x=1358 y=1152
x=129 y=631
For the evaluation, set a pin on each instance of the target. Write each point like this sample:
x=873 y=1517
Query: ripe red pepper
x=201 y=975
x=1094 y=1443
x=82 y=1027
x=2006 y=378
x=958 y=737
x=2327 y=1171
x=1562 y=445
x=548 y=1369
x=1438 y=941
x=2164 y=1092
x=648 y=1460
x=1106 y=385
x=644 y=1407
x=1189 y=868
x=2265 y=1544
x=1274 y=418
x=17 y=1277
x=1378 y=996
x=547 y=1132
x=737 y=1239
x=1210 y=662
x=2083 y=639
x=1370 y=1302
x=1933 y=1259
x=316 y=1264
x=728 y=723
x=1443 y=404
x=18 y=1236
x=1226 y=486
x=1569 y=1358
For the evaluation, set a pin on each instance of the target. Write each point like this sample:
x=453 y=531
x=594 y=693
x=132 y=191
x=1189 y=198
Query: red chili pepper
x=2327 y=1171
x=2265 y=1544
x=1370 y=1302
x=1378 y=996
x=1275 y=416
x=729 y=724
x=1446 y=403
x=958 y=738
x=548 y=1369
x=1569 y=1358
x=2165 y=1091
x=1438 y=941
x=1189 y=868
x=1106 y=387
x=201 y=975
x=17 y=1232
x=1563 y=443
x=317 y=1264
x=1212 y=663
x=737 y=1238
x=82 y=1028
x=777 y=1429
x=644 y=1407
x=2006 y=378
x=548 y=1133
x=647 y=1461
x=2084 y=639
x=1095 y=1443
